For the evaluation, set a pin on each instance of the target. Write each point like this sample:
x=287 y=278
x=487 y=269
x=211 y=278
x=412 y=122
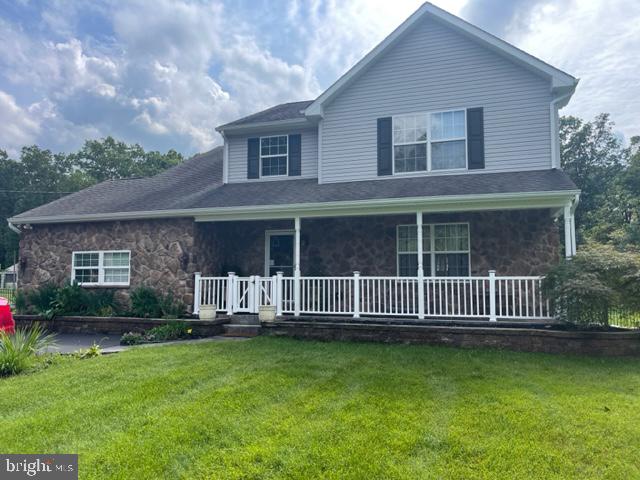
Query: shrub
x=147 y=303
x=18 y=351
x=162 y=333
x=41 y=298
x=131 y=338
x=21 y=302
x=584 y=289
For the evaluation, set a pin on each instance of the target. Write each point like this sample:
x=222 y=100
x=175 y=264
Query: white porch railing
x=489 y=297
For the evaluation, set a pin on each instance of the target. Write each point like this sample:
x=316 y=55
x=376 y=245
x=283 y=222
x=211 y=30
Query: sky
x=165 y=73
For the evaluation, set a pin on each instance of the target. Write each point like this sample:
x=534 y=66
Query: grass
x=280 y=408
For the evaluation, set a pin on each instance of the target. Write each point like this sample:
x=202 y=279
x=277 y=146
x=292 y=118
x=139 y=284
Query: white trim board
x=447 y=203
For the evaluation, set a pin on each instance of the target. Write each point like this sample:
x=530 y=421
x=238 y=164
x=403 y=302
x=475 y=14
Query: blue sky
x=165 y=73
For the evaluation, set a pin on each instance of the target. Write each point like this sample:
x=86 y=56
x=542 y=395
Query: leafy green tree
x=41 y=176
x=593 y=156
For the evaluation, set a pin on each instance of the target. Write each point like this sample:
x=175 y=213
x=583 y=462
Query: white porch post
x=420 y=267
x=492 y=296
x=231 y=288
x=569 y=233
x=196 y=292
x=296 y=269
x=257 y=294
x=278 y=293
x=356 y=294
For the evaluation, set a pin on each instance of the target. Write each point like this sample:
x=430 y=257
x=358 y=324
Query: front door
x=279 y=253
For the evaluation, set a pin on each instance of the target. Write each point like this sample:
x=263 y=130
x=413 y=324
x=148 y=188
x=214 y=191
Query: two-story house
x=431 y=162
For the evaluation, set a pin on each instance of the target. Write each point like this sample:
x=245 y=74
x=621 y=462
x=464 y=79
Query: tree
x=41 y=176
x=108 y=159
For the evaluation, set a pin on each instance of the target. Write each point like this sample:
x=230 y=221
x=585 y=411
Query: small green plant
x=162 y=333
x=131 y=338
x=18 y=351
x=91 y=352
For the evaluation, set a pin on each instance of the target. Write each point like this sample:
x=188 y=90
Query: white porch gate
x=491 y=297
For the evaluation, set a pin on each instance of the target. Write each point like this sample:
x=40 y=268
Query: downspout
x=555 y=128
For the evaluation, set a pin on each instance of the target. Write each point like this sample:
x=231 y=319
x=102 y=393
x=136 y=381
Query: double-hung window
x=445 y=250
x=426 y=142
x=108 y=268
x=274 y=155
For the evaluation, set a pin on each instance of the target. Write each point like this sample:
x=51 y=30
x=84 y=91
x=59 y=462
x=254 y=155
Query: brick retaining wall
x=118 y=325
x=519 y=339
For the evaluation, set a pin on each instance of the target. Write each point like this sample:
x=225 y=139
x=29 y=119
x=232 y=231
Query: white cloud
x=18 y=126
x=165 y=73
x=597 y=41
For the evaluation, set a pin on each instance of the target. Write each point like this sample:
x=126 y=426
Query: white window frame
x=429 y=142
x=286 y=174
x=432 y=246
x=101 y=268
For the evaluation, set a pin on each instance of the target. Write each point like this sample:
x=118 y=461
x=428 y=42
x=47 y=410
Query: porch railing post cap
x=279 y=272
x=197 y=273
x=492 y=272
x=356 y=272
x=231 y=273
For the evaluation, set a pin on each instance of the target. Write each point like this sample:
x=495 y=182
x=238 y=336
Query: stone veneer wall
x=518 y=242
x=164 y=253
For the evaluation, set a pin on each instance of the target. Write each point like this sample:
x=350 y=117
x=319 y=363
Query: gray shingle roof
x=284 y=111
x=197 y=183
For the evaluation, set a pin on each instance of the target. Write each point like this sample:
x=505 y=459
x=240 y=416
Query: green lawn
x=280 y=408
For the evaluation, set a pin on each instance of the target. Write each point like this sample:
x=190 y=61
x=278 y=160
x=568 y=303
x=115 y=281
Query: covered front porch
x=474 y=265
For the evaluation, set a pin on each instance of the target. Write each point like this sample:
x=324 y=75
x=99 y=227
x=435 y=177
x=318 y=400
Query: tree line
x=40 y=176
x=607 y=172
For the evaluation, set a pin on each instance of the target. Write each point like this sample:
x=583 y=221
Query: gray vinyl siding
x=435 y=68
x=238 y=156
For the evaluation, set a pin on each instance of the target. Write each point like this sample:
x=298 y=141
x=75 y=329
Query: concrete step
x=244 y=320
x=231 y=330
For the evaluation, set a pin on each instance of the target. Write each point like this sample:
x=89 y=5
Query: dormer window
x=429 y=141
x=274 y=153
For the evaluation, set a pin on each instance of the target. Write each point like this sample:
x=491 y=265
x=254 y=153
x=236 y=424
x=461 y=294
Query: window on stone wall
x=445 y=248
x=107 y=268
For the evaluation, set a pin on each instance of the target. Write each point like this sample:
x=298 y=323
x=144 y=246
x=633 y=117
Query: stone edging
x=119 y=325
x=519 y=339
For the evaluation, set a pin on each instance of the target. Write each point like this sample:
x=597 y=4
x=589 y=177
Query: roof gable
x=560 y=81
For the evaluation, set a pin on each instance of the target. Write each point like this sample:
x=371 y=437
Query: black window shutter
x=295 y=155
x=253 y=158
x=384 y=146
x=475 y=138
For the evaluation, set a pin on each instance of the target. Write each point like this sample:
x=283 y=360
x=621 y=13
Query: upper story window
x=430 y=141
x=101 y=268
x=274 y=155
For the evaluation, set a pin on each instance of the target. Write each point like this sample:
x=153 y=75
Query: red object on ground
x=7 y=323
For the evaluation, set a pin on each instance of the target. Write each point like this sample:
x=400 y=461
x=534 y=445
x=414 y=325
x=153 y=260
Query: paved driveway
x=71 y=342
